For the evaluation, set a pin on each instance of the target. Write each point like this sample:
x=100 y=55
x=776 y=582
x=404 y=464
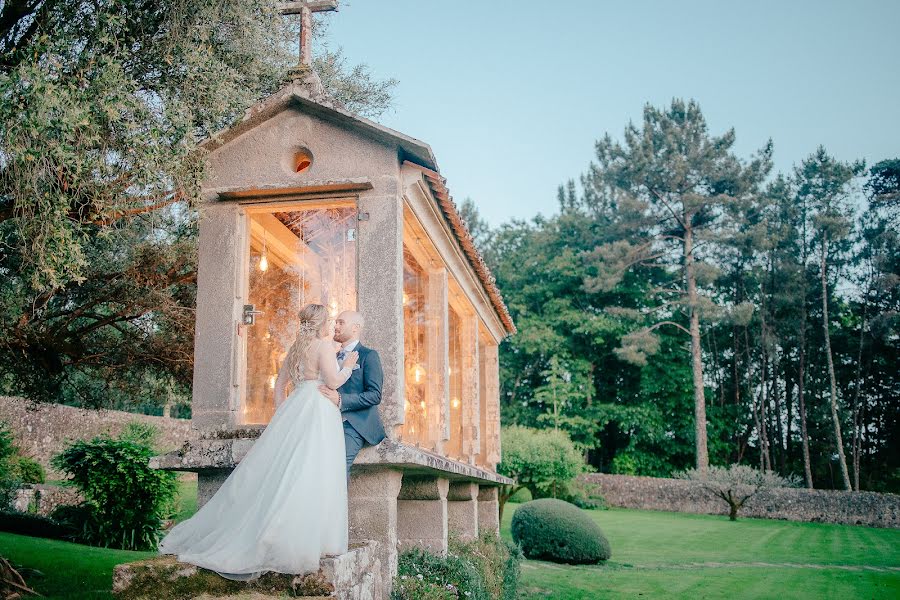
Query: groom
x=359 y=397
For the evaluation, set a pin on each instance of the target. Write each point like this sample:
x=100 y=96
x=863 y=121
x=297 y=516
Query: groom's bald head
x=348 y=326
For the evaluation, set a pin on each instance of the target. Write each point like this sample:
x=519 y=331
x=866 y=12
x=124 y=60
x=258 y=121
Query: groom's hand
x=331 y=394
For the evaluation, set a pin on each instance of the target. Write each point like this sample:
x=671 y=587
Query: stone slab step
x=354 y=575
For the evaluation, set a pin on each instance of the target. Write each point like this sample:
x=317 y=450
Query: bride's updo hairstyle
x=312 y=319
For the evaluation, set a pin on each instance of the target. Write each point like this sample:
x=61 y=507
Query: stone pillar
x=471 y=385
x=462 y=510
x=489 y=454
x=437 y=353
x=218 y=345
x=489 y=509
x=372 y=498
x=422 y=513
x=380 y=292
x=208 y=483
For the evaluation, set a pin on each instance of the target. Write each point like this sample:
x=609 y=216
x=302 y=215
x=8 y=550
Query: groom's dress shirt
x=344 y=351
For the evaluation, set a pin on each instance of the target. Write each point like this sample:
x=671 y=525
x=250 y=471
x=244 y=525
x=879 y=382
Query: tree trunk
x=845 y=476
x=856 y=394
x=732 y=511
x=763 y=401
x=702 y=454
x=801 y=378
x=789 y=410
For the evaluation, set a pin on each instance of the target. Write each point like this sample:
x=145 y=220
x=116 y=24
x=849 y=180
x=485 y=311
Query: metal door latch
x=249 y=315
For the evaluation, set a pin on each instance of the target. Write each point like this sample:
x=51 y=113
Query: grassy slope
x=671 y=555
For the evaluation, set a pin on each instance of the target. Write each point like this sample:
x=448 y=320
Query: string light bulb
x=263 y=260
x=455 y=403
x=418 y=373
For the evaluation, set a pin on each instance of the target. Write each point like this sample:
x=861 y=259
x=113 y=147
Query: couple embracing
x=285 y=504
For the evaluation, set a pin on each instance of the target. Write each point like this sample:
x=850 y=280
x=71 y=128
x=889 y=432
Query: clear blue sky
x=512 y=95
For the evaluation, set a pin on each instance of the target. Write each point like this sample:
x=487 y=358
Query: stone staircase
x=355 y=575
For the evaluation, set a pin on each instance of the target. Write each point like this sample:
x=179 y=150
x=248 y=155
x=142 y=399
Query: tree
x=736 y=484
x=825 y=183
x=543 y=461
x=679 y=180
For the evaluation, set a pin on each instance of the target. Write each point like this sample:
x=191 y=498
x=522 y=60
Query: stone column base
x=489 y=509
x=462 y=510
x=422 y=513
x=372 y=499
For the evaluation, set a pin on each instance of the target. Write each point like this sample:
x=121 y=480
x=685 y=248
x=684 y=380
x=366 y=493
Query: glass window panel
x=297 y=256
x=454 y=448
x=415 y=339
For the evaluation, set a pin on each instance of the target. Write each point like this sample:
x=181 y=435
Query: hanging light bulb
x=263 y=261
x=422 y=405
x=272 y=382
x=455 y=403
x=418 y=373
x=405 y=299
x=334 y=309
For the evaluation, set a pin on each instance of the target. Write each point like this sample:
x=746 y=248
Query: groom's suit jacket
x=361 y=395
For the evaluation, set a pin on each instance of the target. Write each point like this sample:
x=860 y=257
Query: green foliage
x=550 y=529
x=141 y=433
x=483 y=569
x=27 y=470
x=34 y=525
x=9 y=483
x=125 y=500
x=543 y=461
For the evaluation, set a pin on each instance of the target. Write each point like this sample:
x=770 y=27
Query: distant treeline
x=687 y=307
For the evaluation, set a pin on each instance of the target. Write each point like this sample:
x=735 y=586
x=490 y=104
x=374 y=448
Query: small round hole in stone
x=302 y=161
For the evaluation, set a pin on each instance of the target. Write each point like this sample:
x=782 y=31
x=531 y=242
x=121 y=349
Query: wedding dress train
x=285 y=505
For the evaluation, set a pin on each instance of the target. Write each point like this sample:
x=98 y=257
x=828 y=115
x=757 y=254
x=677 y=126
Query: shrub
x=582 y=494
x=34 y=525
x=144 y=434
x=545 y=461
x=9 y=482
x=27 y=470
x=554 y=530
x=736 y=484
x=486 y=568
x=522 y=495
x=126 y=501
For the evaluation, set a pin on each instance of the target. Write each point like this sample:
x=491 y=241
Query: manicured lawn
x=655 y=555
x=70 y=570
x=74 y=570
x=671 y=555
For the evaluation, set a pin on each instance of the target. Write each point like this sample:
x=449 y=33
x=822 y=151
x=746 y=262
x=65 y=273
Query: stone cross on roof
x=305 y=8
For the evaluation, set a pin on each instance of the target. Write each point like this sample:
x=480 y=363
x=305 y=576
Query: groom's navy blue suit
x=360 y=397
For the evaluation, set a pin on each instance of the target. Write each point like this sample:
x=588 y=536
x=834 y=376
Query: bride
x=285 y=505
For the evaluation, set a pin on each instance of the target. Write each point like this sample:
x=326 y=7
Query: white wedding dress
x=285 y=505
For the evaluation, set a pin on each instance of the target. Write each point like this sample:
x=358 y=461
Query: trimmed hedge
x=554 y=530
x=34 y=525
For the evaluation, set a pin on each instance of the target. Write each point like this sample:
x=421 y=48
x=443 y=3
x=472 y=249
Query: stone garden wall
x=42 y=430
x=821 y=506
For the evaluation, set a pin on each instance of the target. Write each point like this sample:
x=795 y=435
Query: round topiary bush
x=550 y=529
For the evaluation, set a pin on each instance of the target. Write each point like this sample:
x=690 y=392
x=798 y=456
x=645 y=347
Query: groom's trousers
x=353 y=442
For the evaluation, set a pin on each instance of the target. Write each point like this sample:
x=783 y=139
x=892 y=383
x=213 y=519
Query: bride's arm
x=328 y=367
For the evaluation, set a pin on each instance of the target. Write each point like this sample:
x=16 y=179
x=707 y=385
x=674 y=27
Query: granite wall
x=42 y=430
x=792 y=504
